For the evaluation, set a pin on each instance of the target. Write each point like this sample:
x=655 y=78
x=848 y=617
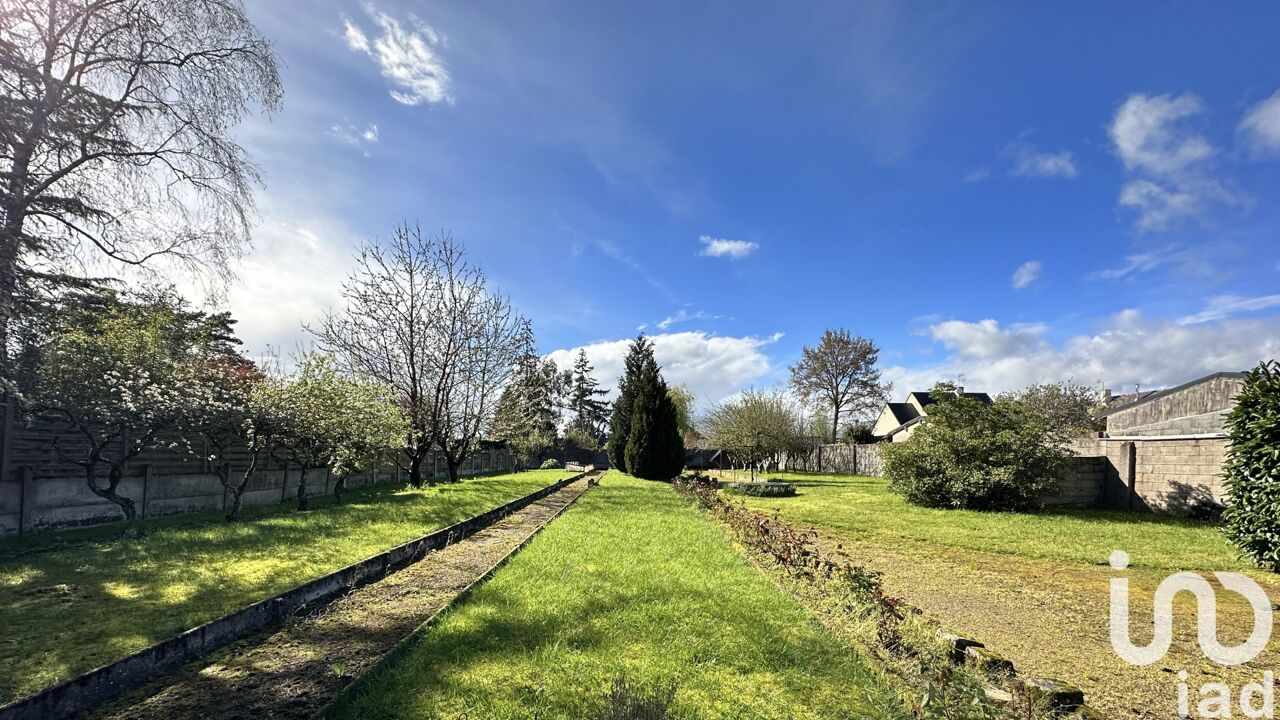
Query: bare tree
x=841 y=374
x=115 y=120
x=387 y=329
x=481 y=340
x=421 y=320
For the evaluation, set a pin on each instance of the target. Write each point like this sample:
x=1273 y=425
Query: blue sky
x=1002 y=193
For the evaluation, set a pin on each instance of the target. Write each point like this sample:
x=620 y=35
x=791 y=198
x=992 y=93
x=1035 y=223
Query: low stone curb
x=409 y=640
x=1062 y=699
x=86 y=691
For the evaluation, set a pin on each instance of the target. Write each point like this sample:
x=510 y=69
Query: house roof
x=913 y=421
x=902 y=412
x=1148 y=397
x=927 y=399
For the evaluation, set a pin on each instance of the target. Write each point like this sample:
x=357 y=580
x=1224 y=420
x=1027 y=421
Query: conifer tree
x=586 y=399
x=639 y=359
x=655 y=450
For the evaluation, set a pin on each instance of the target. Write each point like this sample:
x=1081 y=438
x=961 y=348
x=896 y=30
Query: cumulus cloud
x=1260 y=128
x=289 y=278
x=1129 y=349
x=1223 y=306
x=407 y=55
x=1030 y=162
x=712 y=366
x=720 y=247
x=1026 y=274
x=1166 y=159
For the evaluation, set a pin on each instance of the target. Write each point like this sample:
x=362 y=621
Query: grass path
x=67 y=610
x=1035 y=587
x=632 y=581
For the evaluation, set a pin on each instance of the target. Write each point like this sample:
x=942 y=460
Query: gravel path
x=295 y=670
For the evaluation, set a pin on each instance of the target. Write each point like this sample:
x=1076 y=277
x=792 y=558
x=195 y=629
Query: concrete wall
x=839 y=459
x=1181 y=476
x=55 y=498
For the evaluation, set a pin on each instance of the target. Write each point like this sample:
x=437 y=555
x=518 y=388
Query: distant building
x=898 y=420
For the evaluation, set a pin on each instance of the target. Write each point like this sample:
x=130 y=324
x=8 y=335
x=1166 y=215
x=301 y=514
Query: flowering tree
x=319 y=418
x=220 y=409
x=117 y=370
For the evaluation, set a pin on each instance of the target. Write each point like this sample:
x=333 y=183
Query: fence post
x=27 y=481
x=146 y=484
x=1131 y=472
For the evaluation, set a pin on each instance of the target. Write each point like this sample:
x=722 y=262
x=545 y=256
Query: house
x=898 y=420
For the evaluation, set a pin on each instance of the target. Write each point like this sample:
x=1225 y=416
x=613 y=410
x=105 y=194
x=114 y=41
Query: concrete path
x=295 y=670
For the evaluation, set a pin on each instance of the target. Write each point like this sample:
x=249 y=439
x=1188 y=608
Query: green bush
x=764 y=489
x=1253 y=467
x=550 y=464
x=968 y=454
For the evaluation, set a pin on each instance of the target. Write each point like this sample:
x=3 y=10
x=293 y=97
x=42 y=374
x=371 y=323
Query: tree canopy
x=840 y=374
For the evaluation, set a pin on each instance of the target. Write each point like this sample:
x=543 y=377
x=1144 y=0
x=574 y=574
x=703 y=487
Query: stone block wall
x=1180 y=476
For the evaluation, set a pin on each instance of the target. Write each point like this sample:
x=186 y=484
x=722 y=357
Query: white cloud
x=1260 y=128
x=354 y=135
x=1166 y=159
x=1129 y=349
x=1197 y=262
x=292 y=276
x=407 y=55
x=1030 y=162
x=977 y=174
x=1026 y=274
x=733 y=249
x=713 y=367
x=1150 y=135
x=1223 y=306
x=683 y=315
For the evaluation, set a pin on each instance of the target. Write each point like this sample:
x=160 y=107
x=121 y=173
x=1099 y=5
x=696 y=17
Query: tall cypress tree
x=639 y=359
x=655 y=450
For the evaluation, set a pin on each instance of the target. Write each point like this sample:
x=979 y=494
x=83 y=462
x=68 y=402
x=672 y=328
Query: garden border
x=86 y=691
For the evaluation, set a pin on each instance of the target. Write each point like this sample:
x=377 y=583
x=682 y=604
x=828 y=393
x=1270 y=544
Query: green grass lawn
x=633 y=582
x=72 y=601
x=1035 y=586
x=863 y=508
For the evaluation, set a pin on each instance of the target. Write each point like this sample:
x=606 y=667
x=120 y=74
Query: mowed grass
x=633 y=582
x=72 y=601
x=863 y=508
x=1036 y=587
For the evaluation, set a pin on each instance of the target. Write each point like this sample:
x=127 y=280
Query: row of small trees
x=421 y=356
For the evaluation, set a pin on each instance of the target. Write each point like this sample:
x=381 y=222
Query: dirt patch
x=295 y=670
x=1053 y=620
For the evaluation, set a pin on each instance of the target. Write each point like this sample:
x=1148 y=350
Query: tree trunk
x=453 y=468
x=132 y=525
x=237 y=491
x=415 y=469
x=835 y=426
x=302 y=487
x=339 y=486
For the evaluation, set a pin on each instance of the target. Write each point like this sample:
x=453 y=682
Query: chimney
x=1106 y=395
x=959 y=391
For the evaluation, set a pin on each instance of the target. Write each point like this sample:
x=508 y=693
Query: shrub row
x=764 y=489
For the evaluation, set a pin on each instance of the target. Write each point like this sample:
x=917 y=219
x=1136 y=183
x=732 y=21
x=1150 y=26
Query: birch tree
x=115 y=134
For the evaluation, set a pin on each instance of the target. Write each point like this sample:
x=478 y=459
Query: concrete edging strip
x=407 y=641
x=86 y=691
